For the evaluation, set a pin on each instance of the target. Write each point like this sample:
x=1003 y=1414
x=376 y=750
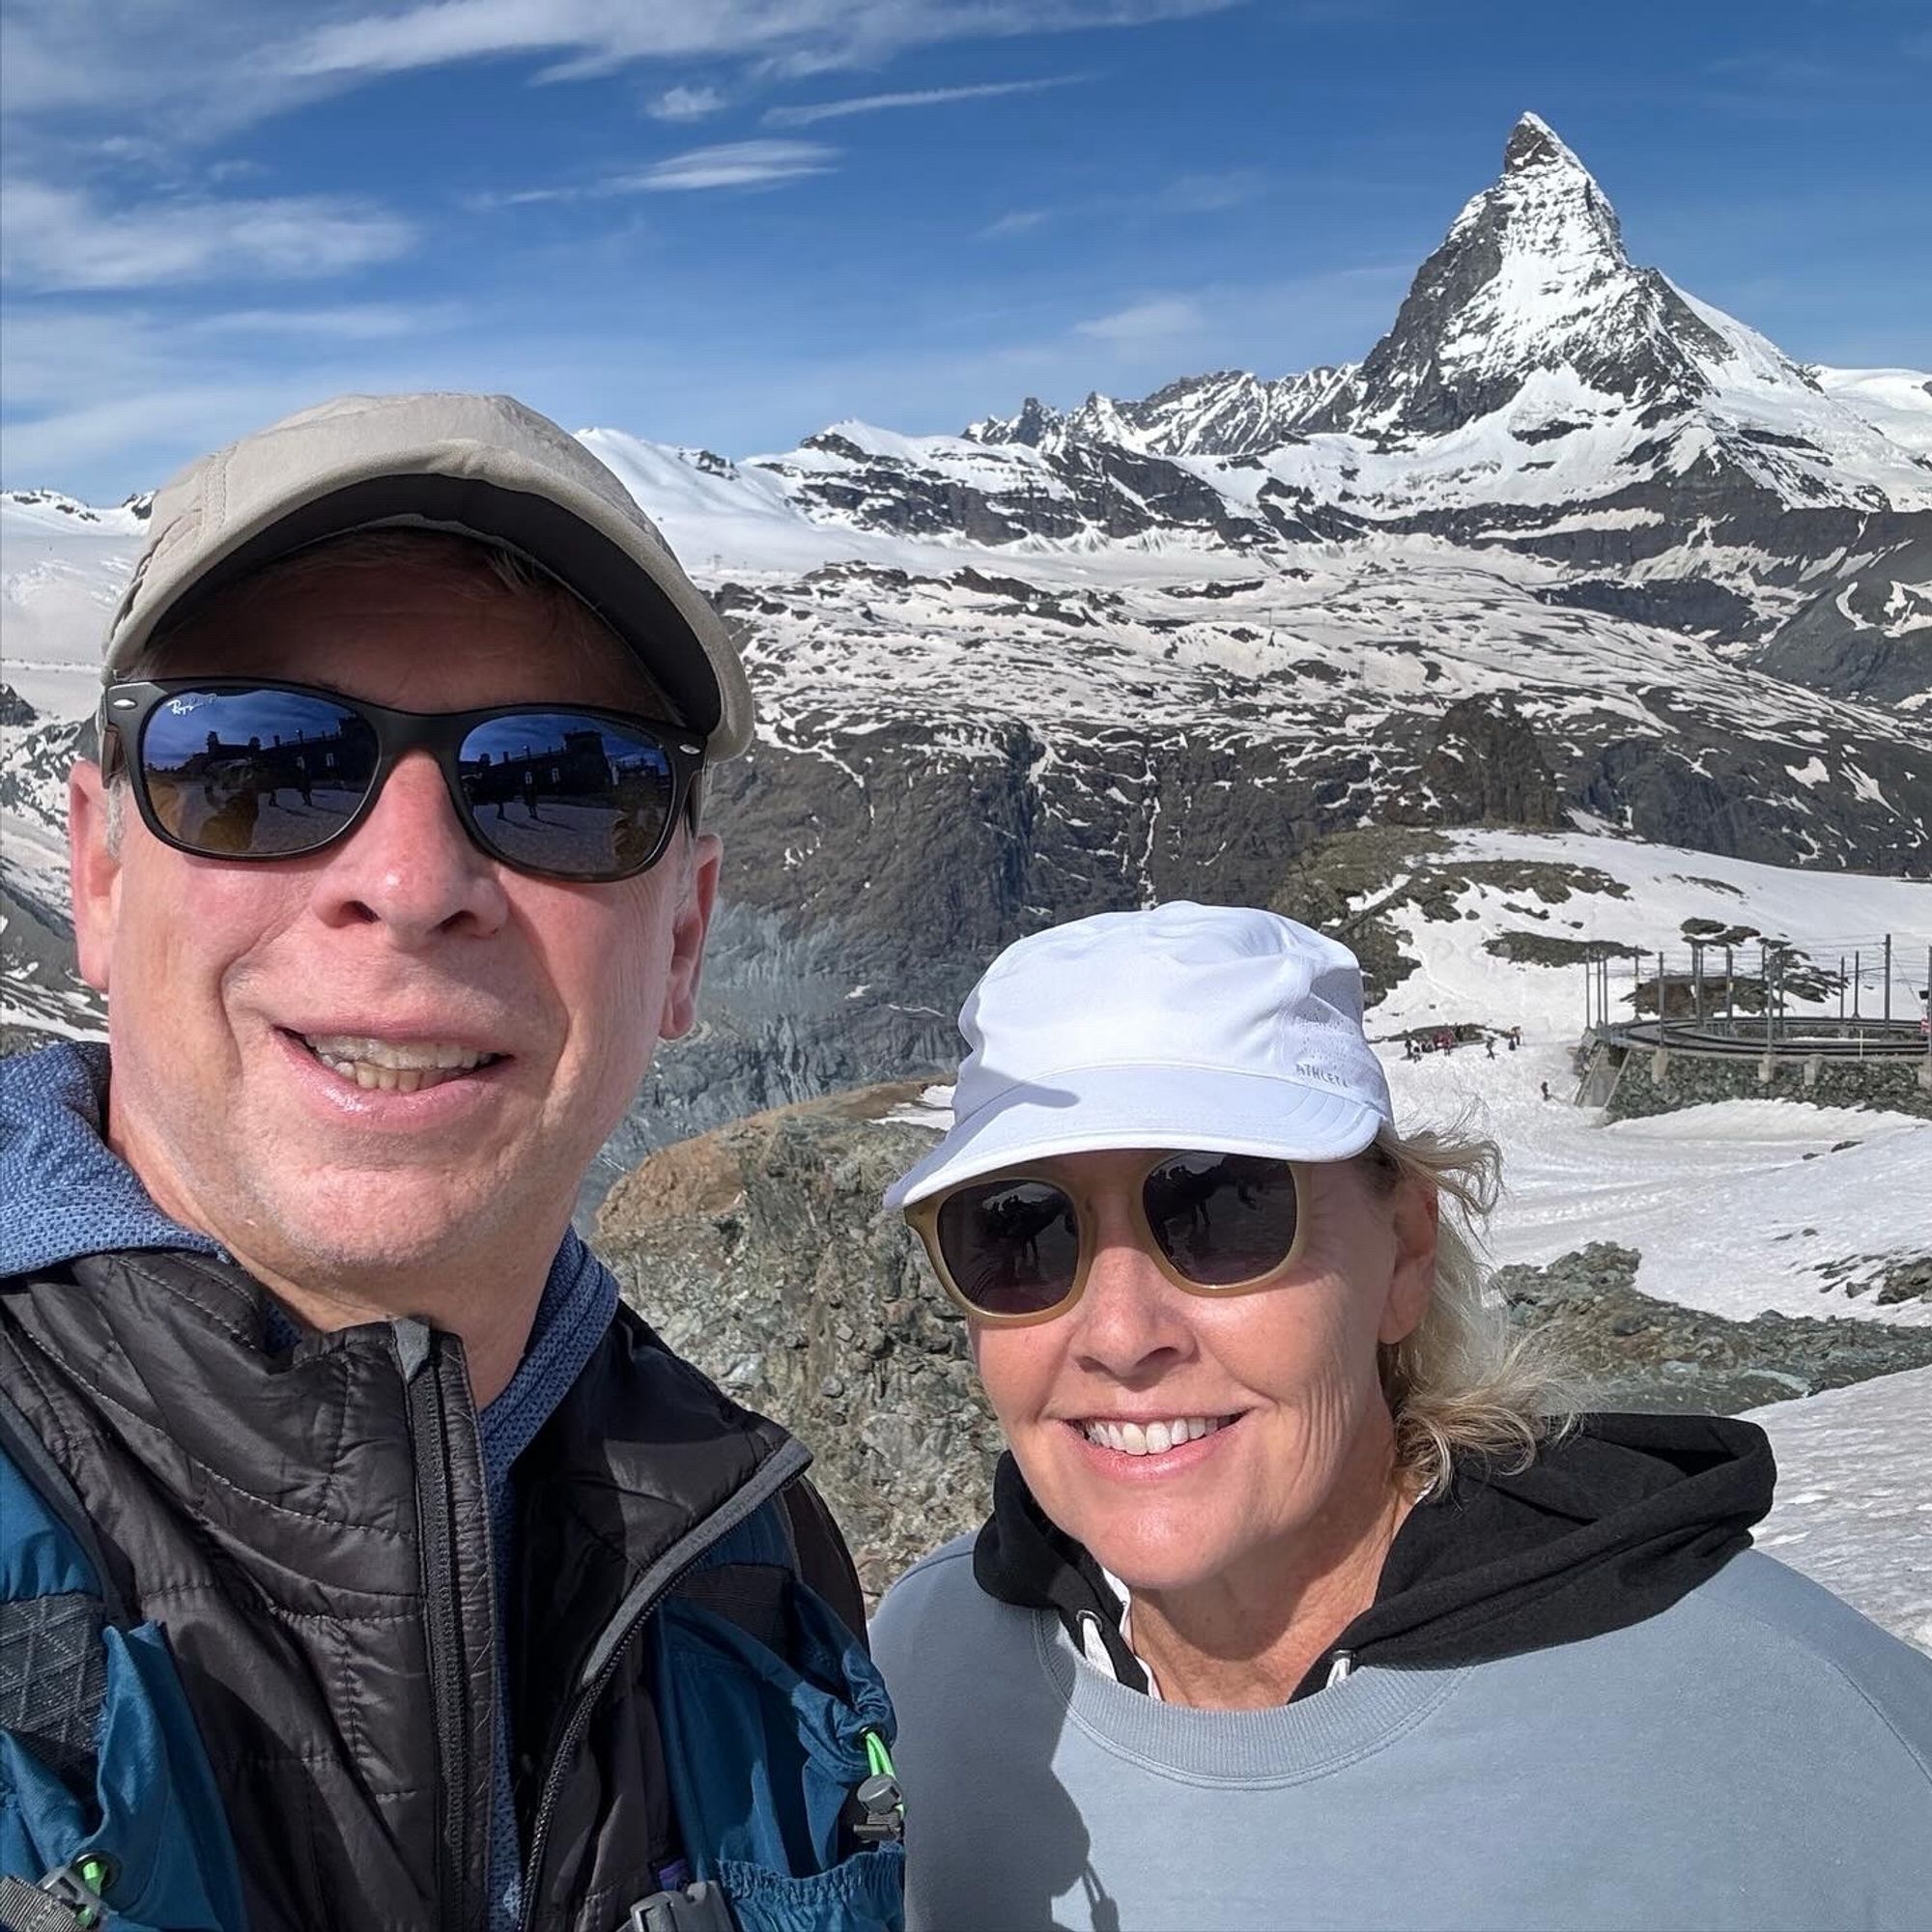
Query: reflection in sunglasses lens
x=254 y=773
x=561 y=791
x=1013 y=1247
x=1222 y=1218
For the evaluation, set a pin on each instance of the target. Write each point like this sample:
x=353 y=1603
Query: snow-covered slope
x=1735 y=1207
x=1896 y=401
x=62 y=567
x=1854 y=1503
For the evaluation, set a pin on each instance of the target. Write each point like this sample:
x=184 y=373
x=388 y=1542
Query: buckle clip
x=68 y=1899
x=697 y=1907
x=882 y=1811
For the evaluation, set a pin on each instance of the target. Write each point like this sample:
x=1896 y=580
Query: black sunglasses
x=233 y=768
x=1018 y=1246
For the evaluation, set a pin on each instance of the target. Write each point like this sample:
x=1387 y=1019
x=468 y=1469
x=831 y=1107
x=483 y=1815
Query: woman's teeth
x=1154 y=1439
x=393 y=1067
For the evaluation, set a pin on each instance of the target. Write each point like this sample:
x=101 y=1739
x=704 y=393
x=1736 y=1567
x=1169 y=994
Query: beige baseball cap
x=478 y=465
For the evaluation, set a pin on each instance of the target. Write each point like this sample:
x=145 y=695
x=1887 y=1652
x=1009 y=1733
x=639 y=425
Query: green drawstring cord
x=97 y=1874
x=79 y=1885
x=878 y=1759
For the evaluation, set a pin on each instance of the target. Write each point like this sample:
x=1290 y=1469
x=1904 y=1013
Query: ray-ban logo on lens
x=189 y=700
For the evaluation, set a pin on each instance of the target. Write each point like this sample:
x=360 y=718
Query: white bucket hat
x=478 y=465
x=1189 y=1026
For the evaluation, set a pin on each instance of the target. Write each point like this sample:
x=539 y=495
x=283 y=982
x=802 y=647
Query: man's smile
x=394 y=1065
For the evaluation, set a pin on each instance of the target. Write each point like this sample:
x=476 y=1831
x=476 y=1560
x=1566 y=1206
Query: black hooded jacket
x=308 y=1526
x=1610 y=1525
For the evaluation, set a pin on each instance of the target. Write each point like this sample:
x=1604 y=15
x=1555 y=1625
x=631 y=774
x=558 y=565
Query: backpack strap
x=54 y=1606
x=85 y=1688
x=22 y=1445
x=823 y=1561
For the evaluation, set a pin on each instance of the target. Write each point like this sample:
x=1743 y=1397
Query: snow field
x=1732 y=1206
x=1854 y=1503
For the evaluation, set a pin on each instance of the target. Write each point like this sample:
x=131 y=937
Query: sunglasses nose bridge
x=411 y=858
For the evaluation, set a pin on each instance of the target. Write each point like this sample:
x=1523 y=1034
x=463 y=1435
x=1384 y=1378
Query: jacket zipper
x=785 y=1467
x=428 y=1409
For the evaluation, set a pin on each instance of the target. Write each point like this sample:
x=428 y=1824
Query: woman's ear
x=1413 y=1211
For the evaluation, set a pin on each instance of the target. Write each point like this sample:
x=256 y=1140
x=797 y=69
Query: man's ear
x=697 y=893
x=93 y=871
x=1415 y=1209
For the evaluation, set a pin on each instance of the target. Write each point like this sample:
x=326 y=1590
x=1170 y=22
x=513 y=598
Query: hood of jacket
x=1610 y=1525
x=68 y=1193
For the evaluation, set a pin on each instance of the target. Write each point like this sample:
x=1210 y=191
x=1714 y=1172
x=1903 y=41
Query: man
x=295 y=1336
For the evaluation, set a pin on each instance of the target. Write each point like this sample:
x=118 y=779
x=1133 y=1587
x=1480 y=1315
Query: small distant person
x=1305 y=1600
x=1545 y=1089
x=1489 y=1046
x=530 y=790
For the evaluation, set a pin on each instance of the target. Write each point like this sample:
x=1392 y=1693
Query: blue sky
x=729 y=223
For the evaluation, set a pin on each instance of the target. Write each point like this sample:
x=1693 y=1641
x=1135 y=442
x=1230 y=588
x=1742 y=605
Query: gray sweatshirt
x=1755 y=1755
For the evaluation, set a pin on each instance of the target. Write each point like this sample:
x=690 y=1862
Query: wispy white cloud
x=685 y=103
x=806 y=114
x=731 y=164
x=106 y=398
x=488 y=201
x=55 y=238
x=186 y=73
x=345 y=321
x=1160 y=320
x=600 y=35
x=728 y=164
x=1208 y=193
x=143 y=436
x=1017 y=221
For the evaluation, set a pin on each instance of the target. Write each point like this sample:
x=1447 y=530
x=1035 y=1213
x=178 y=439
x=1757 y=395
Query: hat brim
x=671 y=630
x=1090 y=1110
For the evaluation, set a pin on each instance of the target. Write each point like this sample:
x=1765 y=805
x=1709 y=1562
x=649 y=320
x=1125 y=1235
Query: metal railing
x=1704 y=998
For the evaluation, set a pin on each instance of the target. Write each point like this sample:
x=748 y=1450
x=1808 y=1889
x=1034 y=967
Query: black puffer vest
x=310 y=1529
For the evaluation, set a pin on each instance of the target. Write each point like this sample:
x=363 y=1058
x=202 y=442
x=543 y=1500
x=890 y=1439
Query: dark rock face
x=1691 y=605
x=761 y=1252
x=1637 y=1352
x=1486 y=768
x=1852 y=637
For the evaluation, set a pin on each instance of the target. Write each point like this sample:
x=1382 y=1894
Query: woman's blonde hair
x=1463 y=1383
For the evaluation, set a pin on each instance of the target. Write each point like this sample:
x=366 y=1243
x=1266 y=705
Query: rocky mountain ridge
x=1161 y=649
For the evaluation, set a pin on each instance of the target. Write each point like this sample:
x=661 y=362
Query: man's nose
x=410 y=867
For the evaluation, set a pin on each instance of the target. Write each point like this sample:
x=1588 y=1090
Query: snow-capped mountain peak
x=1534 y=144
x=1531 y=278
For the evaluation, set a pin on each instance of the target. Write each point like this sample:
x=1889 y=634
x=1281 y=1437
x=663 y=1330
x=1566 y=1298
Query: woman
x=1297 y=1607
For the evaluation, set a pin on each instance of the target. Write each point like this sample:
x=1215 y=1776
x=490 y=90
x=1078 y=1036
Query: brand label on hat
x=1326 y=1076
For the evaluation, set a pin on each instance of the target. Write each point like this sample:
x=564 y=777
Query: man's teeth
x=393 y=1067
x=1154 y=1439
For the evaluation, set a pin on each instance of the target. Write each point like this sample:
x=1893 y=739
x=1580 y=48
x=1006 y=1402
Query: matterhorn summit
x=1531 y=281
